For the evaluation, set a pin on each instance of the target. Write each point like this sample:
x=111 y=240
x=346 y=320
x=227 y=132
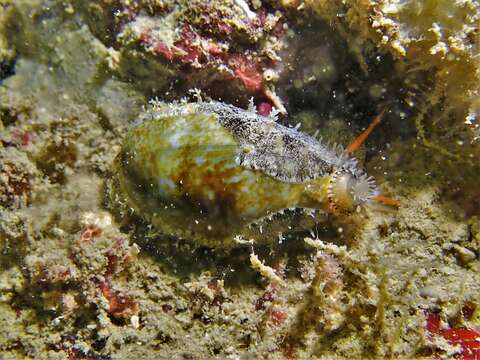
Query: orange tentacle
x=386 y=200
x=355 y=144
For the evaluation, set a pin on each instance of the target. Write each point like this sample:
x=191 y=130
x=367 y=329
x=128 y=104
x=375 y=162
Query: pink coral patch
x=247 y=71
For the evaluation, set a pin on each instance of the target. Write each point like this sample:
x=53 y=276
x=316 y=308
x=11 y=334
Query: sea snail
x=213 y=173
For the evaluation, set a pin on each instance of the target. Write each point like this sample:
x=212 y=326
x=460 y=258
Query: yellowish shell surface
x=181 y=169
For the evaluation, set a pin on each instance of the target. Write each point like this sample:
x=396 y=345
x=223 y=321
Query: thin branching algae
x=211 y=172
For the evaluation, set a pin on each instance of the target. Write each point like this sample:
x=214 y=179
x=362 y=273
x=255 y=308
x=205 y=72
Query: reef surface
x=82 y=279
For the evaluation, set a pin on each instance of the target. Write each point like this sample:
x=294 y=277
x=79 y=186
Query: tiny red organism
x=264 y=108
x=278 y=317
x=224 y=28
x=185 y=50
x=157 y=46
x=119 y=304
x=258 y=23
x=190 y=50
x=90 y=232
x=214 y=50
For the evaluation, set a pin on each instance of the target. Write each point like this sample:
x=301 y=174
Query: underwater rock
x=213 y=173
x=172 y=46
x=434 y=40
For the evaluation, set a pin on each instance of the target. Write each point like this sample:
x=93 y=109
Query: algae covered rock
x=437 y=39
x=175 y=45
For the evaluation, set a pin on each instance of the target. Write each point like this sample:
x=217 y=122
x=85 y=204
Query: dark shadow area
x=7 y=68
x=186 y=260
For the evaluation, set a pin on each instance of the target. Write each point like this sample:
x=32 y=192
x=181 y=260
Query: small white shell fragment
x=135 y=321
